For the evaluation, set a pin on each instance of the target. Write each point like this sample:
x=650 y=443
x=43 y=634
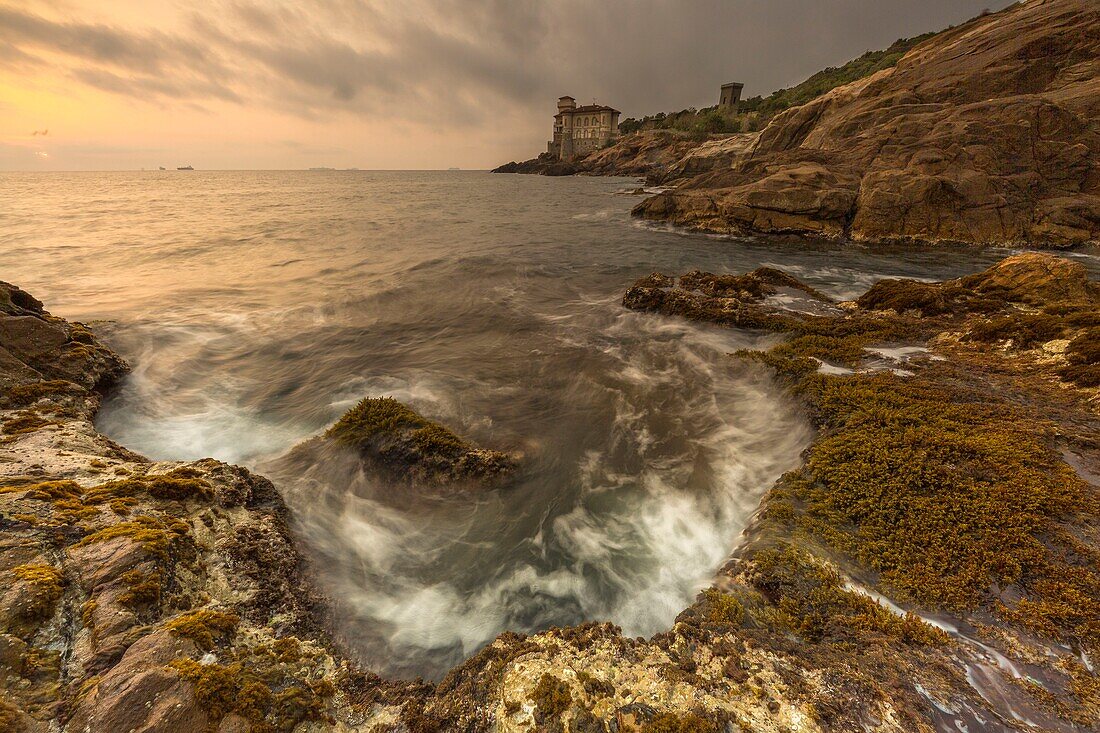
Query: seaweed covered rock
x=958 y=487
x=411 y=448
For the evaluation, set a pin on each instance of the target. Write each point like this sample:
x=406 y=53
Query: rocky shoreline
x=985 y=133
x=955 y=474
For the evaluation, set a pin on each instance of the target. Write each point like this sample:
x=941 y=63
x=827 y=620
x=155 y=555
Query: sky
x=392 y=84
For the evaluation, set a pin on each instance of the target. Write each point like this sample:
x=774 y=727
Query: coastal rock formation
x=647 y=154
x=984 y=133
x=545 y=164
x=932 y=566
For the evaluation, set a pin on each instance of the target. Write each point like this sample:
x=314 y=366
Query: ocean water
x=255 y=307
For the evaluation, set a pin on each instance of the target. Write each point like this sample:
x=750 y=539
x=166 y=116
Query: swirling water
x=255 y=307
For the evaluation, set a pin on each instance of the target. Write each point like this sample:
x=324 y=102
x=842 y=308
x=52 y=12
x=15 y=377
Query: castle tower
x=579 y=131
x=731 y=95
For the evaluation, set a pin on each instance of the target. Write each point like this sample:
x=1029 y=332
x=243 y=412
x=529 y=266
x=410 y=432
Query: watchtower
x=731 y=95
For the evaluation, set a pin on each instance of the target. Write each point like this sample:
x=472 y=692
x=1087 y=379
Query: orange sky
x=111 y=84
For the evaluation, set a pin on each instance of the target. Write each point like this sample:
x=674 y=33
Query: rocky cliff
x=984 y=133
x=933 y=566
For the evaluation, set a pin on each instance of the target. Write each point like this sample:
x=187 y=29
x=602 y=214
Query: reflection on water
x=257 y=307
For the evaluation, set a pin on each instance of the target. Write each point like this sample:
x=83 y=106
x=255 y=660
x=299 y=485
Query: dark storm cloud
x=463 y=62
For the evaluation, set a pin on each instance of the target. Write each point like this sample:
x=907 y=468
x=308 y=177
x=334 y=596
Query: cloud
x=458 y=63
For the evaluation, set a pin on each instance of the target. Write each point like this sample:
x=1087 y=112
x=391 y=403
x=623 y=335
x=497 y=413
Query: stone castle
x=579 y=131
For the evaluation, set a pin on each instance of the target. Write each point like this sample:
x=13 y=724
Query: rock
x=651 y=153
x=1033 y=278
x=102 y=562
x=748 y=300
x=1036 y=279
x=141 y=694
x=545 y=165
x=983 y=133
x=392 y=439
x=36 y=346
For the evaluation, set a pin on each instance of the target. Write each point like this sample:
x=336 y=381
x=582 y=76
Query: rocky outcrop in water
x=545 y=164
x=397 y=446
x=932 y=566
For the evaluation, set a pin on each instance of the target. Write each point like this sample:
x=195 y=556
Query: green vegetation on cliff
x=832 y=77
x=753 y=111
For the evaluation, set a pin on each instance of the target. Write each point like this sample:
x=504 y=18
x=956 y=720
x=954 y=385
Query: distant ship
x=321 y=169
x=185 y=168
x=161 y=167
x=454 y=169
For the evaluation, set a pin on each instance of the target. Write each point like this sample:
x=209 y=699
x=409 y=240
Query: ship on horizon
x=184 y=168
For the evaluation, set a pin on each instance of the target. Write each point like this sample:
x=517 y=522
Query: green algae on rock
x=410 y=448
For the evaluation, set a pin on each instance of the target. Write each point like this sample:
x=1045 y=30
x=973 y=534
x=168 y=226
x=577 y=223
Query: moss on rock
x=411 y=447
x=203 y=626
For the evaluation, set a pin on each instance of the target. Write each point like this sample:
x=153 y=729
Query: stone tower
x=731 y=95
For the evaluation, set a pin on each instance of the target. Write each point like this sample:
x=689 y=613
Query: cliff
x=954 y=473
x=985 y=133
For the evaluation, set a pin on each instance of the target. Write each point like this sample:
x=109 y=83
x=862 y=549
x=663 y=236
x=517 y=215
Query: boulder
x=141 y=693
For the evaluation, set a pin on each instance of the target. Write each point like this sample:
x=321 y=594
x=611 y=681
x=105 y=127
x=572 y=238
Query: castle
x=580 y=130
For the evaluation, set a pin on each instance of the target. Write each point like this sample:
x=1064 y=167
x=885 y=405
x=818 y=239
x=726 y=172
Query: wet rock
x=36 y=347
x=748 y=300
x=1034 y=279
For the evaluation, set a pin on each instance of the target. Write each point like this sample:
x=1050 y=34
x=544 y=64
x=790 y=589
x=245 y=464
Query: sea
x=256 y=307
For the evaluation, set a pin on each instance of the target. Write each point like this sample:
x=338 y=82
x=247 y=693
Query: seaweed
x=46 y=586
x=722 y=608
x=665 y=722
x=809 y=598
x=1083 y=359
x=551 y=697
x=270 y=694
x=203 y=626
x=158 y=536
